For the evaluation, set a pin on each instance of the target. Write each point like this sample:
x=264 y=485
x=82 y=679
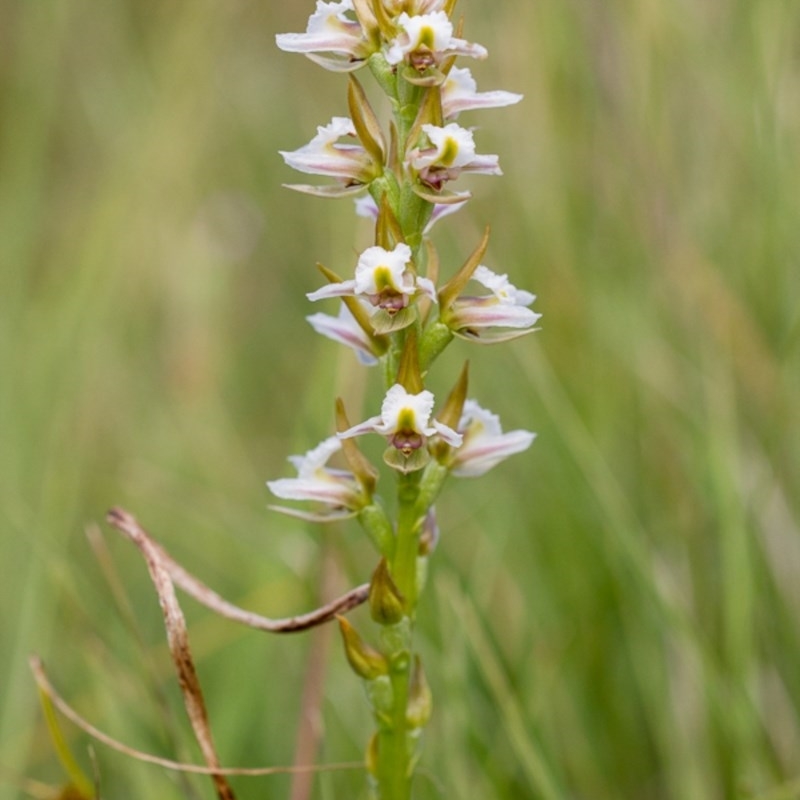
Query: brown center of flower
x=407 y=441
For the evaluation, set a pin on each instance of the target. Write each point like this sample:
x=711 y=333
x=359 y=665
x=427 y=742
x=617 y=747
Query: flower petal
x=474 y=460
x=460 y=93
x=345 y=330
x=343 y=289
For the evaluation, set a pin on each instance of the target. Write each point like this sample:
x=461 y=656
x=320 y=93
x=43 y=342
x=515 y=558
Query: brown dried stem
x=178 y=639
x=126 y=523
x=47 y=688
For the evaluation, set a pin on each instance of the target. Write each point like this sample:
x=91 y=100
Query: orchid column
x=396 y=312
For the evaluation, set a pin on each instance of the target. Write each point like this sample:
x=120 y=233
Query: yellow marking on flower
x=383 y=278
x=427 y=37
x=449 y=151
x=406 y=420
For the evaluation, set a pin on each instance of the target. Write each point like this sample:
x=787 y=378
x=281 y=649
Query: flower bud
x=434 y=340
x=366 y=662
x=420 y=701
x=386 y=603
x=375 y=522
x=371 y=756
x=430 y=485
x=381 y=697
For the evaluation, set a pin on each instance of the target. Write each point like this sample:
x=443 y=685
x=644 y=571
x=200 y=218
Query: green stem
x=395 y=744
x=404 y=563
x=394 y=756
x=397 y=736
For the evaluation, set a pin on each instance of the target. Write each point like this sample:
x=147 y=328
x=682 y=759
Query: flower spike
x=401 y=307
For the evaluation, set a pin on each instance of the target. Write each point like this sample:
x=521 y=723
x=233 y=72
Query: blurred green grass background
x=613 y=614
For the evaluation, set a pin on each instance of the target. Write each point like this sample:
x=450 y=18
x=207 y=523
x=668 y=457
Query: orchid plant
x=397 y=311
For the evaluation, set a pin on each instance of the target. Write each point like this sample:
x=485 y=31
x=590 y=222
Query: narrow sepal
x=492 y=337
x=386 y=603
x=454 y=405
x=365 y=473
x=430 y=112
x=366 y=18
x=453 y=288
x=311 y=516
x=442 y=197
x=366 y=661
x=387 y=27
x=432 y=262
x=388 y=232
x=408 y=373
x=329 y=273
x=325 y=191
x=432 y=274
x=366 y=123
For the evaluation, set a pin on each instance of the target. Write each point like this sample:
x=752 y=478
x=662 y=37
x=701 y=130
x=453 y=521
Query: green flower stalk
x=392 y=313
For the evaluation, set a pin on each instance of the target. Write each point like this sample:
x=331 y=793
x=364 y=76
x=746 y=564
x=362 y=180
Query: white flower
x=405 y=419
x=451 y=152
x=485 y=444
x=425 y=39
x=345 y=330
x=325 y=155
x=477 y=317
x=332 y=39
x=337 y=489
x=383 y=277
x=460 y=93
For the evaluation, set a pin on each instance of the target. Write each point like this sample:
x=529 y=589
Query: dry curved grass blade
x=178 y=640
x=44 y=685
x=127 y=524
